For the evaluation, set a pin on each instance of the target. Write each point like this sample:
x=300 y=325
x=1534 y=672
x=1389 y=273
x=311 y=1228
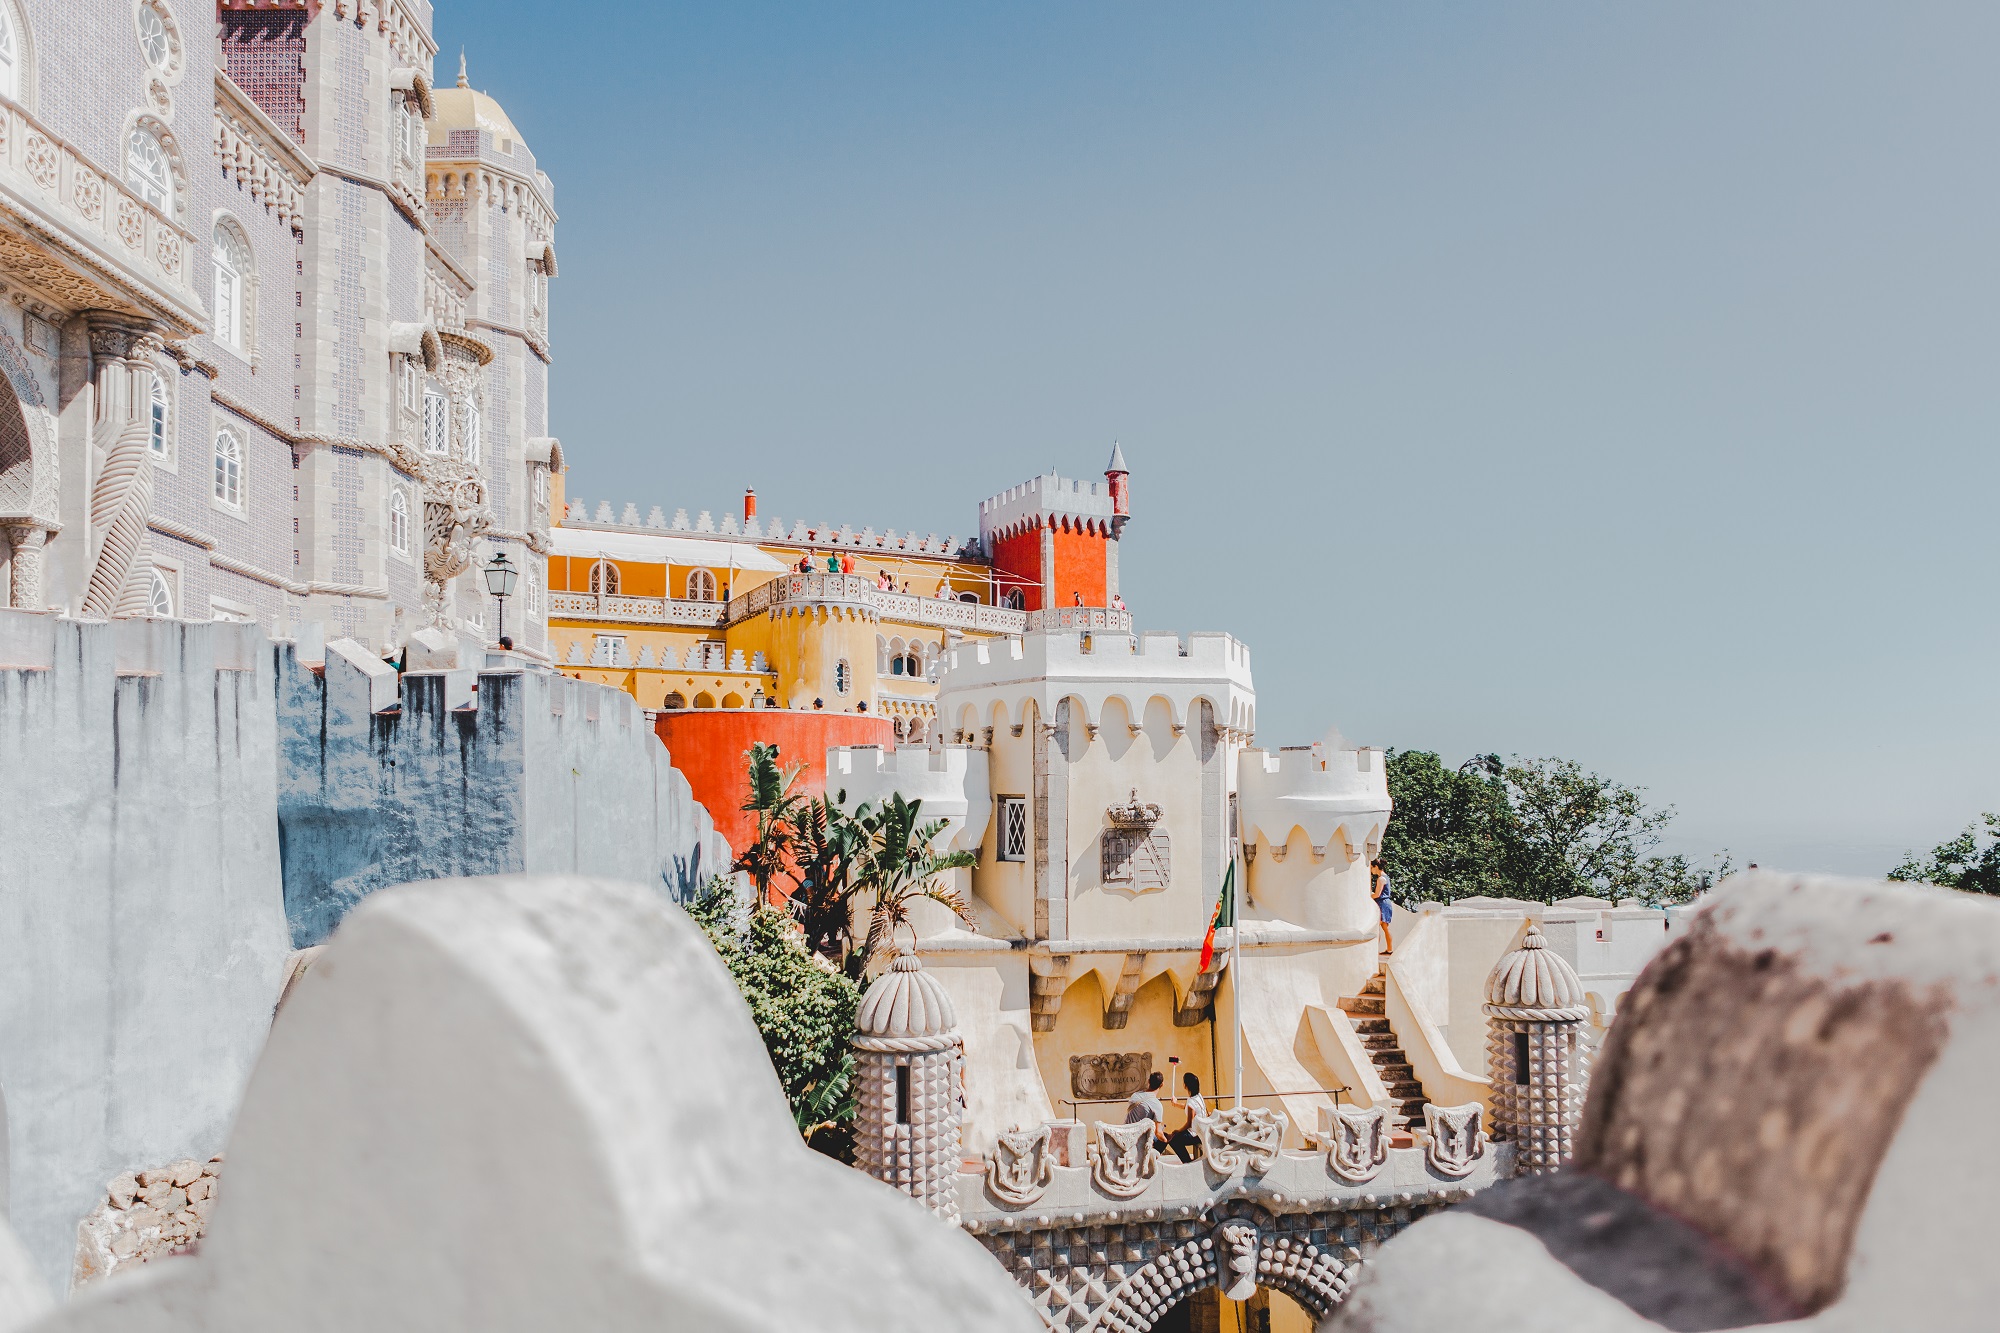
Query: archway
x=23 y=530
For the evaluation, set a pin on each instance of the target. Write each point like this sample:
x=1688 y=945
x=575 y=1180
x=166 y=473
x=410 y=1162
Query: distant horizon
x=1601 y=383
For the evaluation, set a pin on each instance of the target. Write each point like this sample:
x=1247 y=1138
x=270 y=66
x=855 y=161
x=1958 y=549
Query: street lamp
x=500 y=579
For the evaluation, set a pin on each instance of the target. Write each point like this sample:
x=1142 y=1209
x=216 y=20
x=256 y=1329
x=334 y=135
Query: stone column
x=1535 y=1007
x=27 y=540
x=909 y=1060
x=1048 y=564
x=124 y=364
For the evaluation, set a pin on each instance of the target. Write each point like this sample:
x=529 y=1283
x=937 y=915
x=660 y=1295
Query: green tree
x=802 y=1006
x=826 y=843
x=1444 y=841
x=775 y=805
x=1971 y=861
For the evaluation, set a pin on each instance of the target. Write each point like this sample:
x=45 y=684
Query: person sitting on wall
x=1186 y=1142
x=806 y=563
x=1145 y=1105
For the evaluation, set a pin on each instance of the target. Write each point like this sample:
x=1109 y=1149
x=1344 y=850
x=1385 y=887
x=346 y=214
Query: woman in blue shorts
x=1381 y=895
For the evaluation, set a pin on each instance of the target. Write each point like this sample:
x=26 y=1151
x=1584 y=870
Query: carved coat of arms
x=1360 y=1142
x=1020 y=1166
x=1240 y=1137
x=1121 y=1161
x=1456 y=1138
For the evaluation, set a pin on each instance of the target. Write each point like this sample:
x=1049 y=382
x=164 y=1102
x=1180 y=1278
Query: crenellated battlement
x=950 y=780
x=773 y=531
x=1320 y=788
x=1097 y=667
x=1043 y=500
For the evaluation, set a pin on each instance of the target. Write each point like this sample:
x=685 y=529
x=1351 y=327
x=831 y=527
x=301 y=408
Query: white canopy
x=662 y=549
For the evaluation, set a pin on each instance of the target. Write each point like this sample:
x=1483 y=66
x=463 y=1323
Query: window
x=153 y=39
x=160 y=595
x=413 y=135
x=843 y=677
x=604 y=577
x=437 y=423
x=1013 y=840
x=412 y=384
x=399 y=521
x=542 y=487
x=1521 y=1058
x=610 y=651
x=472 y=434
x=10 y=56
x=232 y=271
x=228 y=469
x=700 y=586
x=157 y=423
x=147 y=170
x=534 y=593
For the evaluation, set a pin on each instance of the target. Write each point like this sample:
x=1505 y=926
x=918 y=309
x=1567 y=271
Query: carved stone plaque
x=1136 y=858
x=1108 y=1077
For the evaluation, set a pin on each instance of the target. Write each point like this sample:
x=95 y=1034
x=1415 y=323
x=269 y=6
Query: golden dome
x=463 y=108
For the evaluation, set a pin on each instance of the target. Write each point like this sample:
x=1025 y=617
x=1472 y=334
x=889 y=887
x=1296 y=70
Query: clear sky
x=1608 y=381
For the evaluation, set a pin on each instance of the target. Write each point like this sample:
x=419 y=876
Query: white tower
x=909 y=1055
x=1535 y=1005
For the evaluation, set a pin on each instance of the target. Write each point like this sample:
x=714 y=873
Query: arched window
x=399 y=521
x=437 y=423
x=700 y=586
x=843 y=677
x=11 y=54
x=604 y=577
x=542 y=487
x=232 y=285
x=228 y=469
x=156 y=424
x=675 y=699
x=472 y=441
x=159 y=596
x=148 y=171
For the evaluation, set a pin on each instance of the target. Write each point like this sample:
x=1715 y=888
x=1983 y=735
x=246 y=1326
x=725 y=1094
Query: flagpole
x=1236 y=966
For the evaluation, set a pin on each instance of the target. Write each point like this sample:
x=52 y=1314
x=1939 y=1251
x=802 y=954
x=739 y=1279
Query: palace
x=273 y=321
x=815 y=635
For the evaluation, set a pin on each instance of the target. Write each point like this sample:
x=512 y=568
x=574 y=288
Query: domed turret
x=1535 y=1004
x=1534 y=976
x=906 y=1002
x=907 y=1055
x=463 y=108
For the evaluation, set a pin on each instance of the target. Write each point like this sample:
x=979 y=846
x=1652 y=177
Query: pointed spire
x=1117 y=463
x=461 y=69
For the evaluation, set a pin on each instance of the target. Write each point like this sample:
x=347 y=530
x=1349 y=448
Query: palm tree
x=901 y=865
x=827 y=843
x=774 y=803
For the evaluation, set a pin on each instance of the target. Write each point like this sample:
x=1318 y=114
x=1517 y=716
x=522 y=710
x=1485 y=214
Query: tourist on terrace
x=1117 y=601
x=1185 y=1140
x=1145 y=1105
x=847 y=562
x=944 y=590
x=832 y=562
x=806 y=563
x=1078 y=597
x=1380 y=894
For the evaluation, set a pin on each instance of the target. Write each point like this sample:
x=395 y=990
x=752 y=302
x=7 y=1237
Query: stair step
x=1406 y=1089
x=1393 y=1070
x=1374 y=986
x=1372 y=1005
x=1372 y=1027
x=1379 y=1041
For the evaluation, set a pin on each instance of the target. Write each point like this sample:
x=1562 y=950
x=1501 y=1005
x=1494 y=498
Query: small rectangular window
x=437 y=423
x=1521 y=1058
x=902 y=1094
x=1013 y=841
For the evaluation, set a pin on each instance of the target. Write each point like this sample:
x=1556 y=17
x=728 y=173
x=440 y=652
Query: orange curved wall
x=711 y=748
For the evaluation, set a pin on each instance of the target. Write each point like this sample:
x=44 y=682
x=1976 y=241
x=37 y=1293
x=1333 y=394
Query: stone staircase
x=1369 y=1010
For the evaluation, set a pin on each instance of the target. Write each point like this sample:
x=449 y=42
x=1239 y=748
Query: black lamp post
x=500 y=579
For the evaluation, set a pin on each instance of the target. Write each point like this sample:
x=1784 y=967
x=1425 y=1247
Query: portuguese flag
x=1225 y=914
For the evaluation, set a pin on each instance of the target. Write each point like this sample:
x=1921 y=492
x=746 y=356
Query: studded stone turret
x=908 y=1056
x=1535 y=1006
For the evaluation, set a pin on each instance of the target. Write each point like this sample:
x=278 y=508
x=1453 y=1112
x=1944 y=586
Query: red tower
x=1054 y=542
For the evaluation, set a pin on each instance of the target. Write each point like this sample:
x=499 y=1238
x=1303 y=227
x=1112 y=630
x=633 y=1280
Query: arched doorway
x=25 y=508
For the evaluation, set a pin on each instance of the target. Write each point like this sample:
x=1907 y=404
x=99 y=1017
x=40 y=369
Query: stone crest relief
x=1104 y=1078
x=1121 y=1161
x=1241 y=1137
x=1136 y=851
x=1360 y=1143
x=1455 y=1138
x=1020 y=1166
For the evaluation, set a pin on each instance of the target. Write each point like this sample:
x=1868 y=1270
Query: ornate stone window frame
x=163 y=395
x=15 y=16
x=229 y=230
x=399 y=522
x=229 y=491
x=172 y=63
x=162 y=134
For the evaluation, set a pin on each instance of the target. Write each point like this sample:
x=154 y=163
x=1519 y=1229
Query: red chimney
x=749 y=503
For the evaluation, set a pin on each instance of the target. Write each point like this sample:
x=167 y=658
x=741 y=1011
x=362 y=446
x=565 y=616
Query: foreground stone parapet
x=1776 y=1135
x=537 y=1103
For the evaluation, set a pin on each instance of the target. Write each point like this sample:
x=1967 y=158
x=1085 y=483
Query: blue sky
x=1597 y=380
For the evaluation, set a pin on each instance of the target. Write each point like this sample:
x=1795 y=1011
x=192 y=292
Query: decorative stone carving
x=1136 y=852
x=1122 y=1160
x=1094 y=1078
x=1236 y=1248
x=1360 y=1142
x=167 y=249
x=909 y=1094
x=1237 y=1138
x=27 y=539
x=87 y=191
x=1539 y=1070
x=131 y=224
x=1020 y=1166
x=1454 y=1138
x=121 y=500
x=455 y=515
x=38 y=158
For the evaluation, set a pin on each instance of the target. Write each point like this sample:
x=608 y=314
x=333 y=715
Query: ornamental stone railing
x=852 y=590
x=124 y=252
x=1079 y=618
x=635 y=610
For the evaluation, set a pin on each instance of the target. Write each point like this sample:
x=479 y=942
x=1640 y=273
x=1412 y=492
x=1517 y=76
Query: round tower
x=908 y=1056
x=1535 y=1008
x=1119 y=478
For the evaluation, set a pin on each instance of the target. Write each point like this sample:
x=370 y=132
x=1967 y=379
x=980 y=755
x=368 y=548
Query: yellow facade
x=698 y=615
